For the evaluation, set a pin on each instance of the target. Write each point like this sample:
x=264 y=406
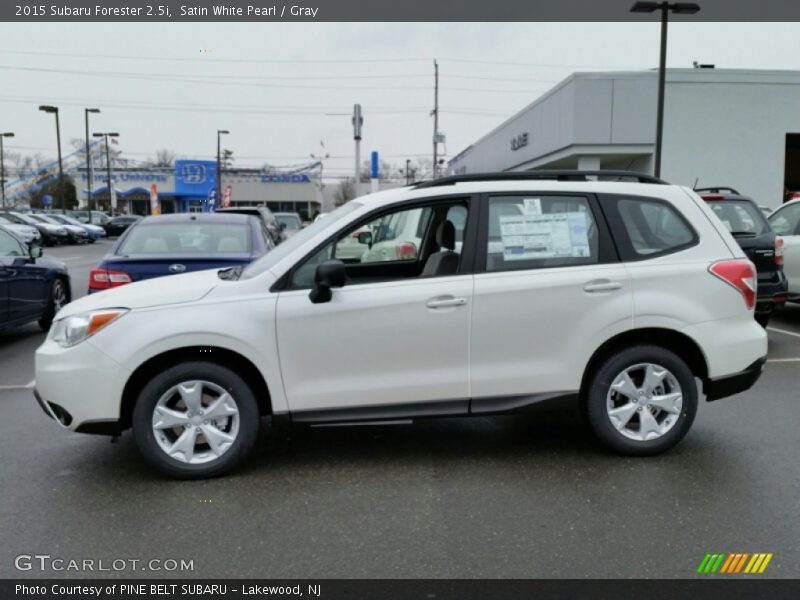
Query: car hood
x=176 y=289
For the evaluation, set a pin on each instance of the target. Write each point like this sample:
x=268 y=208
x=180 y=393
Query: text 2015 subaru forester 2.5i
x=554 y=289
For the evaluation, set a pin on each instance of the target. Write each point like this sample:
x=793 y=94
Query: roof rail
x=718 y=190
x=558 y=175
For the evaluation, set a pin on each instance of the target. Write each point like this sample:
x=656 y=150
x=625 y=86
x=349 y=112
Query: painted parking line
x=26 y=386
x=783 y=360
x=784 y=331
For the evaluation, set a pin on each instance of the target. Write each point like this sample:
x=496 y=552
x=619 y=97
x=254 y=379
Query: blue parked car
x=32 y=287
x=94 y=232
x=180 y=243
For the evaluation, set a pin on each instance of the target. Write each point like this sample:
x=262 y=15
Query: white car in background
x=27 y=233
x=785 y=222
x=611 y=298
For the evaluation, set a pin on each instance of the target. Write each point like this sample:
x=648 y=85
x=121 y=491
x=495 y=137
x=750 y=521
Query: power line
x=174 y=79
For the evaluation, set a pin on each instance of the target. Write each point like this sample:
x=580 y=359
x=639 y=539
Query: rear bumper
x=772 y=294
x=722 y=387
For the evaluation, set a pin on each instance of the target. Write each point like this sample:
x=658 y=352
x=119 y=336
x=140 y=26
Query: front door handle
x=601 y=285
x=445 y=302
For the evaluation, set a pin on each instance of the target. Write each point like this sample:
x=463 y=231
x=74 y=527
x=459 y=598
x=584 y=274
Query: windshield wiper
x=230 y=273
x=744 y=233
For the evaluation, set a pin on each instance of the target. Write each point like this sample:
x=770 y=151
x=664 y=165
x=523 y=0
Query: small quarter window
x=647 y=227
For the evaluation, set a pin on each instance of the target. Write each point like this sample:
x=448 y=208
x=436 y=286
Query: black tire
x=249 y=419
x=763 y=319
x=597 y=400
x=58 y=297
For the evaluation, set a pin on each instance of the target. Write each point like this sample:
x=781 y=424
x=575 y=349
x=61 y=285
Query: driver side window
x=393 y=245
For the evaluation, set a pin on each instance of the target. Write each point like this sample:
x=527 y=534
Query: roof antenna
x=696 y=181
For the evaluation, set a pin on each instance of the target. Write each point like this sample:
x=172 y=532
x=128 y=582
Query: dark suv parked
x=273 y=228
x=748 y=225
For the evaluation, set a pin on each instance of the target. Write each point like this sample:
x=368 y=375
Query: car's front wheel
x=196 y=420
x=57 y=299
x=642 y=401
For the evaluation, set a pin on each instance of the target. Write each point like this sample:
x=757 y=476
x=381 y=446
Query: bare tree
x=345 y=192
x=163 y=158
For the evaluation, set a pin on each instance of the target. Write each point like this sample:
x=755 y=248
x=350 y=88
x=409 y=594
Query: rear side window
x=539 y=231
x=740 y=217
x=786 y=221
x=647 y=227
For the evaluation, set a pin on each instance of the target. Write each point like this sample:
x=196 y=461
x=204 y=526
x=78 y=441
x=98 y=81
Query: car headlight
x=72 y=330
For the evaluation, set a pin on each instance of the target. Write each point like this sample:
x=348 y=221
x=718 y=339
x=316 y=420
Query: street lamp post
x=54 y=110
x=220 y=133
x=89 y=163
x=679 y=8
x=3 y=166
x=108 y=164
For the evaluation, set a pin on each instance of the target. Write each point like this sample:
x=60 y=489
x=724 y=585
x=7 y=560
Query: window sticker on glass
x=532 y=206
x=544 y=236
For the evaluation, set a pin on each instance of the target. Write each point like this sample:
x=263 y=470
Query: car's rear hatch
x=751 y=231
x=146 y=267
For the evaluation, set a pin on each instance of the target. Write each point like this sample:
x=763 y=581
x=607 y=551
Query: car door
x=548 y=292
x=23 y=280
x=786 y=223
x=389 y=340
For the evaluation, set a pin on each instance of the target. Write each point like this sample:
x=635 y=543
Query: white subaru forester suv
x=566 y=291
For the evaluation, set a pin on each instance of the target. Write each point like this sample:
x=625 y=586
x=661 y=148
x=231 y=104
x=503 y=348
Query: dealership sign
x=519 y=141
x=195 y=177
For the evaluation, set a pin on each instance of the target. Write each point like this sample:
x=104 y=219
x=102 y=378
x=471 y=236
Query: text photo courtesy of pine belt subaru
x=608 y=297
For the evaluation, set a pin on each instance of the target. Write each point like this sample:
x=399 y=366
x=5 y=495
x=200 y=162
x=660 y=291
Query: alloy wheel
x=644 y=402
x=195 y=421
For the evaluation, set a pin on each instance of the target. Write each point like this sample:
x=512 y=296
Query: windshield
x=18 y=218
x=740 y=217
x=43 y=219
x=187 y=238
x=290 y=221
x=283 y=250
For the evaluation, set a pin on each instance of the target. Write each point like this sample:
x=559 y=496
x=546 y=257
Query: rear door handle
x=601 y=285
x=445 y=302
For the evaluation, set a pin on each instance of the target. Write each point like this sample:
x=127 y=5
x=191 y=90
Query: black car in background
x=265 y=215
x=117 y=225
x=32 y=287
x=748 y=225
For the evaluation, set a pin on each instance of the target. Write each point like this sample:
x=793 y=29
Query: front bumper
x=722 y=387
x=80 y=387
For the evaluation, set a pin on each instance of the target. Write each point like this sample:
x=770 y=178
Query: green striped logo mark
x=711 y=563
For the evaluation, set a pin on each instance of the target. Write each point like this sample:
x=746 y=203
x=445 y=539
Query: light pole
x=679 y=8
x=3 y=166
x=54 y=110
x=89 y=163
x=108 y=164
x=220 y=133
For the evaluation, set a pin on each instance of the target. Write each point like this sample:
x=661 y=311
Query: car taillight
x=103 y=279
x=739 y=273
x=778 y=250
x=406 y=251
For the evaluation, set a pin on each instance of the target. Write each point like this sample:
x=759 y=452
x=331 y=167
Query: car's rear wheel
x=57 y=299
x=642 y=401
x=196 y=420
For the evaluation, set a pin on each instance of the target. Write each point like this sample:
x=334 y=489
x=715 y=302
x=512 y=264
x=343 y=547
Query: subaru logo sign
x=194 y=173
x=177 y=268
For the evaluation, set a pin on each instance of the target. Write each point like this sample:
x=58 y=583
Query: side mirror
x=365 y=237
x=34 y=251
x=329 y=274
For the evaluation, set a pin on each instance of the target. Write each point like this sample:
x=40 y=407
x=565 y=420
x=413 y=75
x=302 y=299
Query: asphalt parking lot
x=460 y=498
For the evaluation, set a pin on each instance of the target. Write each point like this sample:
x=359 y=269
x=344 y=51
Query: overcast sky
x=276 y=111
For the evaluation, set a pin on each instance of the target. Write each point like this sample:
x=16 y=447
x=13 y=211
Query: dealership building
x=190 y=186
x=737 y=128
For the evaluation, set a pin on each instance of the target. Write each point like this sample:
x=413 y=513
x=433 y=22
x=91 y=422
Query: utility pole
x=108 y=168
x=408 y=168
x=54 y=110
x=220 y=132
x=3 y=166
x=435 y=114
x=358 y=121
x=89 y=163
